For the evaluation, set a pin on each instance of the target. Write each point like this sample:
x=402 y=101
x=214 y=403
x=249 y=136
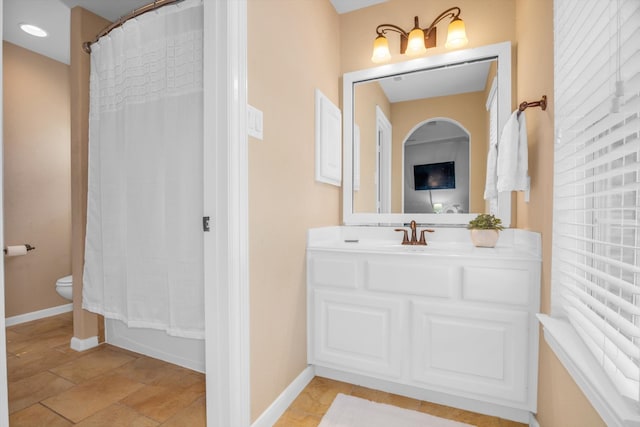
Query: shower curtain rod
x=86 y=46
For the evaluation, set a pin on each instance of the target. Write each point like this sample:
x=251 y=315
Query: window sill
x=588 y=375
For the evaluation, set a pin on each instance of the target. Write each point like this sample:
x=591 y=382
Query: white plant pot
x=484 y=238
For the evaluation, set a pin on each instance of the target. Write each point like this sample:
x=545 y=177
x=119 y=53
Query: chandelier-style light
x=418 y=40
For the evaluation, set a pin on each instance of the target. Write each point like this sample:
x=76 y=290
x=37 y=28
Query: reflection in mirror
x=390 y=111
x=436 y=169
x=417 y=120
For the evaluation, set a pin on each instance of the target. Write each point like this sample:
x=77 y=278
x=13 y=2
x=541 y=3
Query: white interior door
x=383 y=162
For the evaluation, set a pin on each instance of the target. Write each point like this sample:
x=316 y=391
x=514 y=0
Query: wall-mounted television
x=435 y=176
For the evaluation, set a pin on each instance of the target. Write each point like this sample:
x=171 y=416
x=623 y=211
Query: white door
x=383 y=162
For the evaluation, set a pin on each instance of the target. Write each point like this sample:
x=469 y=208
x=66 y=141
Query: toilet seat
x=65 y=281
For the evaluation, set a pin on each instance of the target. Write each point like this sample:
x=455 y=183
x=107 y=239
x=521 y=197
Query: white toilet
x=64 y=287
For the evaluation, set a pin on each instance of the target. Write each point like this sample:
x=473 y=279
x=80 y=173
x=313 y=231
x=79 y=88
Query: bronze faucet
x=414 y=240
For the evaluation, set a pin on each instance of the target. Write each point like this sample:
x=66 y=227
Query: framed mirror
x=416 y=137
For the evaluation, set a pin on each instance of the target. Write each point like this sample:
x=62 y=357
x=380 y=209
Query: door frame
x=226 y=267
x=4 y=403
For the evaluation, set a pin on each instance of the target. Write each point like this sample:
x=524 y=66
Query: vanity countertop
x=443 y=242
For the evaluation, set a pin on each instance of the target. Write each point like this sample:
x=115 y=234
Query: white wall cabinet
x=453 y=329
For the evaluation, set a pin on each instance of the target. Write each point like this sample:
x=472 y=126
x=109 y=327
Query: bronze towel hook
x=542 y=104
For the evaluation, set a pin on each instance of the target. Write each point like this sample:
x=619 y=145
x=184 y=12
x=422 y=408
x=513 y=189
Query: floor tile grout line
x=41 y=403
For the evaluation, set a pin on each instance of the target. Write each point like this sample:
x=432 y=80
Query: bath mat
x=349 y=411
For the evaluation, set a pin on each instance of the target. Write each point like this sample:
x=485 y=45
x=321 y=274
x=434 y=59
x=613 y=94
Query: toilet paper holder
x=27 y=245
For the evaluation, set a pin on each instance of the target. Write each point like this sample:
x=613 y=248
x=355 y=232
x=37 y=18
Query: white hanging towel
x=513 y=158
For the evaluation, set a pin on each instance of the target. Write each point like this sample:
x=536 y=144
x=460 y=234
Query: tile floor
x=51 y=385
x=314 y=401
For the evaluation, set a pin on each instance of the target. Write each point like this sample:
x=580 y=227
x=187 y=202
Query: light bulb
x=380 y=50
x=456 y=34
x=415 y=43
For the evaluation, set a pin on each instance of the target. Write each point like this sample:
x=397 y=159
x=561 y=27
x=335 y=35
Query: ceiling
x=54 y=17
x=345 y=6
x=451 y=80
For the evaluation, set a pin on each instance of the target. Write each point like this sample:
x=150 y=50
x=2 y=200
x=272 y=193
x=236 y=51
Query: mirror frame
x=501 y=51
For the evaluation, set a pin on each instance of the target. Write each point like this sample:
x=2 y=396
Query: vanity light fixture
x=33 y=30
x=418 y=40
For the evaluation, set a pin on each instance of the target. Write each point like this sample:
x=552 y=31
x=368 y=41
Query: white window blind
x=596 y=227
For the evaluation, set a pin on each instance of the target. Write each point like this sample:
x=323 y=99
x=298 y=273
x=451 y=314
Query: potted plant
x=485 y=229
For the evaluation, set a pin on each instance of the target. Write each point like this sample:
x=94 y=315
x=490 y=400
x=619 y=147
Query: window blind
x=596 y=226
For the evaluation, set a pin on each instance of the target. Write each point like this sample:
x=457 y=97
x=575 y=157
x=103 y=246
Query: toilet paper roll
x=16 y=250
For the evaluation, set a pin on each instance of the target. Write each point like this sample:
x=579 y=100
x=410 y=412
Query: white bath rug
x=349 y=411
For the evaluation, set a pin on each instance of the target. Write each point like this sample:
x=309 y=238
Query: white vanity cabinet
x=457 y=328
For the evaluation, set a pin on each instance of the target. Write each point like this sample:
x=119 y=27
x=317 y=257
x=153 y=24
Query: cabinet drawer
x=432 y=280
x=333 y=271
x=497 y=285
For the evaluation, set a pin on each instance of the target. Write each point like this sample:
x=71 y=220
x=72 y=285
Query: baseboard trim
x=78 y=344
x=533 y=421
x=280 y=405
x=40 y=314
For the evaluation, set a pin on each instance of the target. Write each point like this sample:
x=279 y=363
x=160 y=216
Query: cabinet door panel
x=470 y=349
x=363 y=333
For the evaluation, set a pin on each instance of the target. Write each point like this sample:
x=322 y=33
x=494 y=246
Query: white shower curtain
x=144 y=246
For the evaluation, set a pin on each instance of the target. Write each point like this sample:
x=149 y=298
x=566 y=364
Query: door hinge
x=205 y=223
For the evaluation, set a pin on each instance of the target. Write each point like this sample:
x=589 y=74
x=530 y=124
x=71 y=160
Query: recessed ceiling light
x=33 y=30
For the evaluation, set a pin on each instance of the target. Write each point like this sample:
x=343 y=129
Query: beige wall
x=367 y=97
x=405 y=116
x=560 y=402
x=84 y=26
x=293 y=48
x=37 y=193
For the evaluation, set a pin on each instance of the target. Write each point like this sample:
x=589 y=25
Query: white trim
x=4 y=407
x=588 y=374
x=280 y=405
x=40 y=314
x=78 y=344
x=225 y=202
x=533 y=421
